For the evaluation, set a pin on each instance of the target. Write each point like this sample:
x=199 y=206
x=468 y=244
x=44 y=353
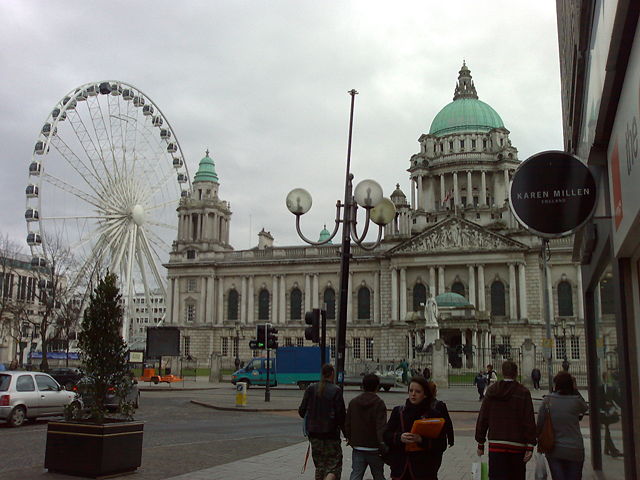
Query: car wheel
x=17 y=417
x=74 y=409
x=386 y=387
x=155 y=380
x=303 y=385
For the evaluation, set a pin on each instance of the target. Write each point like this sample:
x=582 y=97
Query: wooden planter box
x=93 y=450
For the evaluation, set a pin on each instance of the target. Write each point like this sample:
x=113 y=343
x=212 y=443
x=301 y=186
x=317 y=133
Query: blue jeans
x=360 y=459
x=565 y=469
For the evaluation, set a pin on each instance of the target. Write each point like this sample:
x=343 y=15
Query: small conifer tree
x=103 y=351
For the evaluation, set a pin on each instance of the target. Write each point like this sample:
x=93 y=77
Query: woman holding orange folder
x=417 y=434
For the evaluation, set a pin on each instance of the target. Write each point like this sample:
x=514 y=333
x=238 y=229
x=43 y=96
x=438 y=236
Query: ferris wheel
x=106 y=177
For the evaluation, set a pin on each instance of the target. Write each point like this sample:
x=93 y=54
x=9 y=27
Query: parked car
x=29 y=395
x=112 y=401
x=66 y=376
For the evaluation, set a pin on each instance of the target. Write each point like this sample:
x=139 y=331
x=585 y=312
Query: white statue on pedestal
x=432 y=329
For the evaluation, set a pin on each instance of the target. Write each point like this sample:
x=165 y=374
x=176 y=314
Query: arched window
x=232 y=304
x=565 y=299
x=330 y=302
x=419 y=297
x=458 y=288
x=364 y=303
x=497 y=298
x=296 y=304
x=263 y=304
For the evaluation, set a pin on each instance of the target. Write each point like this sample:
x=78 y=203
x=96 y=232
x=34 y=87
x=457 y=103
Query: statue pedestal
x=440 y=367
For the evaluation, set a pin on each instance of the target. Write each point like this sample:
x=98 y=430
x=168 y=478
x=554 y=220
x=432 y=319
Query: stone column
x=456 y=190
x=220 y=318
x=432 y=281
x=528 y=362
x=469 y=188
x=523 y=291
x=475 y=347
x=282 y=301
x=421 y=205
x=483 y=189
x=442 y=190
x=403 y=293
x=506 y=185
x=377 y=318
x=350 y=298
x=176 y=302
x=243 y=301
x=472 y=286
x=413 y=194
x=211 y=310
x=307 y=293
x=274 y=299
x=169 y=300
x=580 y=293
x=250 y=303
x=463 y=342
x=201 y=301
x=440 y=280
x=315 y=288
x=513 y=310
x=394 y=294
x=481 y=294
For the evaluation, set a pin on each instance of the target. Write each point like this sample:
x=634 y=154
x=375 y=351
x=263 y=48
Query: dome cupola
x=206 y=170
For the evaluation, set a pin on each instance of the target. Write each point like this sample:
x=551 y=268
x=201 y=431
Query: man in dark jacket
x=363 y=427
x=507 y=414
x=323 y=409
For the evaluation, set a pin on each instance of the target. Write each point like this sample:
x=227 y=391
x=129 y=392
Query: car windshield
x=5 y=380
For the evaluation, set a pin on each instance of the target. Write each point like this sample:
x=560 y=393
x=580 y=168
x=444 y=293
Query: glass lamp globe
x=299 y=201
x=368 y=193
x=383 y=212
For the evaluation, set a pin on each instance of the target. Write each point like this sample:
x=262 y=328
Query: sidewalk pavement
x=286 y=463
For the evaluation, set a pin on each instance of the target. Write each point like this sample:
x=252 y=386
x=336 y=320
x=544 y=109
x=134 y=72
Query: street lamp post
x=379 y=210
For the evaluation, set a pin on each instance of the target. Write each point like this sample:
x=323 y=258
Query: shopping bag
x=541 y=467
x=476 y=471
x=484 y=473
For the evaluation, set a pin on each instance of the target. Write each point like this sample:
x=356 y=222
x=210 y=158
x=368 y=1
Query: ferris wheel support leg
x=152 y=263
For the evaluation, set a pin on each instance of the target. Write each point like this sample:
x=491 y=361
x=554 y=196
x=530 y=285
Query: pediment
x=456 y=234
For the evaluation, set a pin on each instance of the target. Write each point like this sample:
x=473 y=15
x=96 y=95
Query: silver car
x=29 y=395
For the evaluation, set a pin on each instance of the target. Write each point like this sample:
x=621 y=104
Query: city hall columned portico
x=453 y=238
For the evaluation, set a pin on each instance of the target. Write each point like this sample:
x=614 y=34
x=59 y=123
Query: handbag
x=479 y=471
x=387 y=455
x=546 y=439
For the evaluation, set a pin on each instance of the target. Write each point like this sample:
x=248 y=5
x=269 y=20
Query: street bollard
x=241 y=394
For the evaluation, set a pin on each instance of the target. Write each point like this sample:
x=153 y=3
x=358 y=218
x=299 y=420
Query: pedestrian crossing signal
x=313 y=332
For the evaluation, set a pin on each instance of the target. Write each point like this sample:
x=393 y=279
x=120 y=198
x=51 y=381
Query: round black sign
x=552 y=194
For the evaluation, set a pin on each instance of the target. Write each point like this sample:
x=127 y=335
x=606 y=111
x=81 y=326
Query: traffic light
x=261 y=335
x=313 y=332
x=272 y=337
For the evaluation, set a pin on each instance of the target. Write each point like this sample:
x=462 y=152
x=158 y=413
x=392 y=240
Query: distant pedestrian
x=323 y=409
x=492 y=377
x=404 y=365
x=363 y=428
x=236 y=362
x=567 y=407
x=565 y=365
x=506 y=415
x=426 y=373
x=481 y=384
x=13 y=365
x=535 y=378
x=424 y=463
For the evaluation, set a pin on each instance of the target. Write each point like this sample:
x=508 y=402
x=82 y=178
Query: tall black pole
x=345 y=256
x=267 y=388
x=548 y=350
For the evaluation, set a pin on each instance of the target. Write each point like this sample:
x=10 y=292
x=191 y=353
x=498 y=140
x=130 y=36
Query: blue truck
x=291 y=366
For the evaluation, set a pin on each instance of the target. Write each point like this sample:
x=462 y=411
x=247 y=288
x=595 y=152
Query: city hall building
x=453 y=238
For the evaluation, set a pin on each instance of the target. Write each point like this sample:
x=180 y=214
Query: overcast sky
x=263 y=85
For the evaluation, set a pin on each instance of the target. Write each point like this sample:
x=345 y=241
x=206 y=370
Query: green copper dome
x=324 y=235
x=450 y=299
x=466 y=113
x=206 y=170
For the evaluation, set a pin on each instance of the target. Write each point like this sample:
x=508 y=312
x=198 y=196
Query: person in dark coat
x=363 y=428
x=481 y=383
x=425 y=463
x=323 y=409
x=535 y=378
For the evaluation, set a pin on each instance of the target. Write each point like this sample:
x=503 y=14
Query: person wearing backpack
x=363 y=427
x=412 y=456
x=323 y=409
